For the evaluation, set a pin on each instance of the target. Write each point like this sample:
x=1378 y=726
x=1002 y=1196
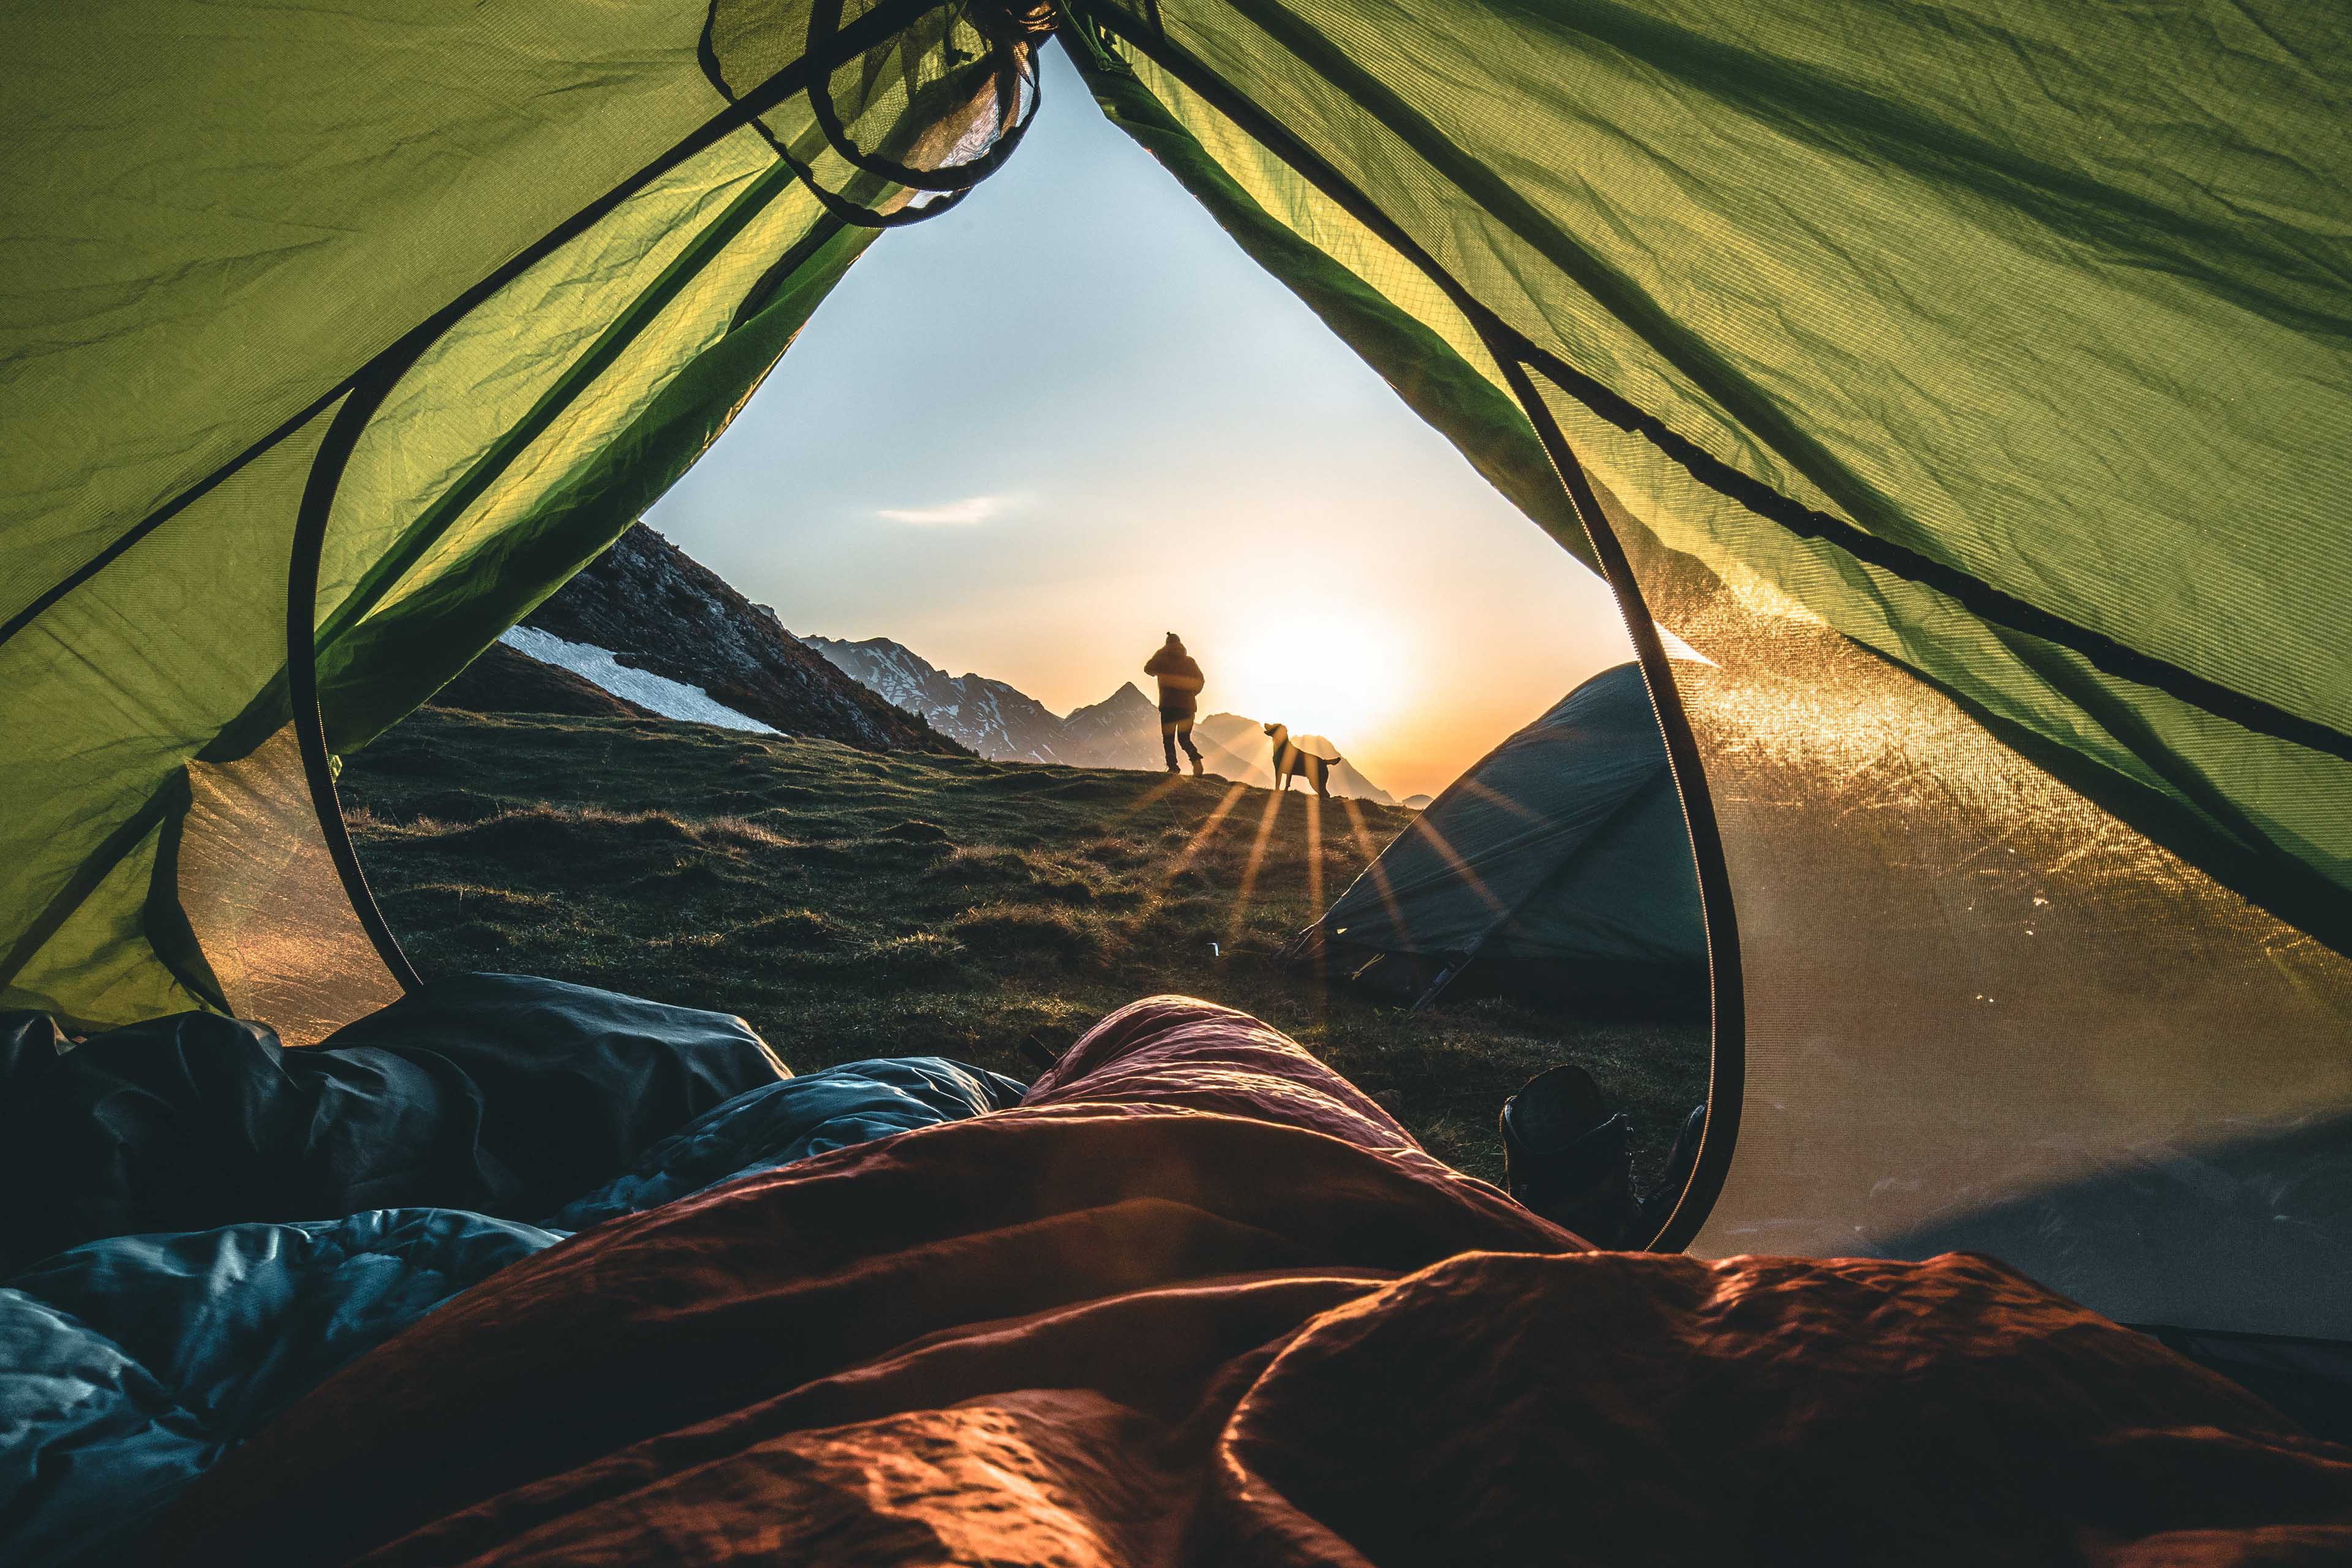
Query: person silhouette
x=1179 y=694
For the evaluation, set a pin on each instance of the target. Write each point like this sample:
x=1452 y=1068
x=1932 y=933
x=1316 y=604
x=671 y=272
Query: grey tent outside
x=1560 y=860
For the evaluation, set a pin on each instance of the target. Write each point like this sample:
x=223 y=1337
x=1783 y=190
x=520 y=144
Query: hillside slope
x=659 y=609
x=854 y=903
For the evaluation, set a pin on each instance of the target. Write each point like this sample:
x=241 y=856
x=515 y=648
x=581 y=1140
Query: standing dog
x=1290 y=762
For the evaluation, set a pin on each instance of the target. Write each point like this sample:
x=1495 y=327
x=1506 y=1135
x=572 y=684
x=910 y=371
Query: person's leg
x=1167 y=740
x=1184 y=733
x=1182 y=1052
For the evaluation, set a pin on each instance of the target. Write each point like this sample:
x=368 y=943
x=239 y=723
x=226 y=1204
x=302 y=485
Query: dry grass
x=856 y=905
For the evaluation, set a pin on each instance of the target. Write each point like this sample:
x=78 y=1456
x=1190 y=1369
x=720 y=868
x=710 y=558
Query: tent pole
x=1511 y=351
x=1726 y=1069
x=302 y=656
x=374 y=381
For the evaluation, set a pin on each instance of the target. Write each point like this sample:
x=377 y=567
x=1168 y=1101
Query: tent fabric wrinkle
x=500 y=458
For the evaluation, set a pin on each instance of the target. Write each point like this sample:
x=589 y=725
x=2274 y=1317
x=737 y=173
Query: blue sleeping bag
x=505 y=1094
x=129 y=1366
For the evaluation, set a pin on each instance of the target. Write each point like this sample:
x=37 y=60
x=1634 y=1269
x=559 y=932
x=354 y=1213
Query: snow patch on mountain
x=658 y=693
x=660 y=612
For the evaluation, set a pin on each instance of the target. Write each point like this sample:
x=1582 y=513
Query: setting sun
x=1320 y=672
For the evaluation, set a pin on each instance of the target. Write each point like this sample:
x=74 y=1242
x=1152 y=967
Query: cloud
x=955 y=513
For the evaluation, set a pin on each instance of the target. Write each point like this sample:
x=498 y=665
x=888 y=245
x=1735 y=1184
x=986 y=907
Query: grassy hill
x=852 y=904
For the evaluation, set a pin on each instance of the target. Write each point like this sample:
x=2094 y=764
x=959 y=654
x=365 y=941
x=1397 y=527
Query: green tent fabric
x=464 y=294
x=1972 y=306
x=1561 y=860
x=1972 y=384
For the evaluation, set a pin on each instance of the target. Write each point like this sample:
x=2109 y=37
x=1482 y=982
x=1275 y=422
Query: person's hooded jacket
x=1179 y=679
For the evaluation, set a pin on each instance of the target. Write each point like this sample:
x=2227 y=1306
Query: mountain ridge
x=999 y=722
x=647 y=628
x=655 y=607
x=1122 y=731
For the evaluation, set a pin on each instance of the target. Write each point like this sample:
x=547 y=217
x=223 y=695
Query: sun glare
x=1320 y=673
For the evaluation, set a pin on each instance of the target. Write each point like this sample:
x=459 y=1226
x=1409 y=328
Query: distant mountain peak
x=1128 y=697
x=1001 y=723
x=648 y=606
x=1004 y=724
x=652 y=607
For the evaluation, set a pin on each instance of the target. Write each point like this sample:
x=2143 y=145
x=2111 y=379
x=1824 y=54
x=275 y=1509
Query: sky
x=1032 y=436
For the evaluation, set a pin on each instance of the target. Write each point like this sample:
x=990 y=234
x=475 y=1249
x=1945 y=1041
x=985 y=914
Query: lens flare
x=1320 y=672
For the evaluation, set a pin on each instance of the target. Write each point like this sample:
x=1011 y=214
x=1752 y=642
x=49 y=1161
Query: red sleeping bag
x=1199 y=1300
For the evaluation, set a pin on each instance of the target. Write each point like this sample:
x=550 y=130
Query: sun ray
x=1372 y=867
x=1315 y=856
x=1488 y=791
x=1249 y=871
x=1158 y=894
x=1320 y=995
x=1149 y=797
x=1206 y=831
x=1453 y=858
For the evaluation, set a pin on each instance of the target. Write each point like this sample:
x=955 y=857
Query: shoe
x=1197 y=769
x=1172 y=768
x=1567 y=1157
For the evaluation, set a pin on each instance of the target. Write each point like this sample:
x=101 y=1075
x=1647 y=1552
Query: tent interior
x=1972 y=388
